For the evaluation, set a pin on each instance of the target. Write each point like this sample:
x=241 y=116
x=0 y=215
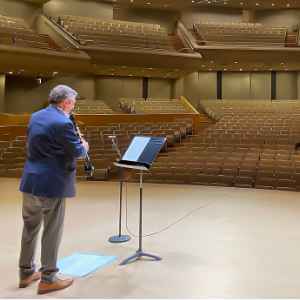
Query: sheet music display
x=142 y=151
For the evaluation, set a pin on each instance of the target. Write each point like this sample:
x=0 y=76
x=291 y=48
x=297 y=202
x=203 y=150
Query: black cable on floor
x=164 y=228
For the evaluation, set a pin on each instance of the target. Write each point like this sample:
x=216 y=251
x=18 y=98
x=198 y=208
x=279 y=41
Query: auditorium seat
x=152 y=106
x=242 y=148
x=90 y=31
x=240 y=34
x=16 y=32
x=92 y=107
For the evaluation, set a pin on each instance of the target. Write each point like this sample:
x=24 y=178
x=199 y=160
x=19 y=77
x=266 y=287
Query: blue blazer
x=52 y=149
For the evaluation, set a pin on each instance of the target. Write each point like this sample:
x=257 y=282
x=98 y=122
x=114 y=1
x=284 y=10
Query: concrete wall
x=177 y=88
x=202 y=85
x=238 y=85
x=298 y=86
x=2 y=92
x=235 y=85
x=160 y=88
x=111 y=89
x=196 y=15
x=260 y=85
x=286 y=87
x=80 y=8
x=26 y=95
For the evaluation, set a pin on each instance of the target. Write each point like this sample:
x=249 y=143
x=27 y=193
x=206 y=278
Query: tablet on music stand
x=141 y=152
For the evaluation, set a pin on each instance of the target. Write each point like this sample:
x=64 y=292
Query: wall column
x=2 y=92
x=286 y=85
x=177 y=88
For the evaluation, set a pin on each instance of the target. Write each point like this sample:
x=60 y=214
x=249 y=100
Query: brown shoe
x=29 y=279
x=58 y=284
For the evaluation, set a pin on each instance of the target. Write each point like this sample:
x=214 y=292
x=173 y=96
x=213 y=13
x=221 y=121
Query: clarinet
x=88 y=166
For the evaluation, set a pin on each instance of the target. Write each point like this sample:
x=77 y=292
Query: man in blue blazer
x=48 y=178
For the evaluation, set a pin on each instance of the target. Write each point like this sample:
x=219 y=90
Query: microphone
x=115 y=146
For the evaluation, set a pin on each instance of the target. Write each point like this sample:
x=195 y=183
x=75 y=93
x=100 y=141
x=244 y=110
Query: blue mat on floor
x=82 y=264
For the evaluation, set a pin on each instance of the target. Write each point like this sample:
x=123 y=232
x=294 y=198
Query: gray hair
x=60 y=93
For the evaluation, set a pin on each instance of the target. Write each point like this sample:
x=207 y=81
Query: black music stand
x=140 y=155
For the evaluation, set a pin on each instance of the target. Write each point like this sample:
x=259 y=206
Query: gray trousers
x=50 y=212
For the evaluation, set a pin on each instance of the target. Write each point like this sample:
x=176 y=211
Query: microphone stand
x=119 y=238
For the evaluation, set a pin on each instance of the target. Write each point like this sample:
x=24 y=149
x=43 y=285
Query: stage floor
x=239 y=243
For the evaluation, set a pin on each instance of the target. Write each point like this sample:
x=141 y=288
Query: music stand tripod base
x=137 y=256
x=119 y=238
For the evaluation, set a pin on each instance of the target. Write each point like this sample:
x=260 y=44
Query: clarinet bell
x=89 y=170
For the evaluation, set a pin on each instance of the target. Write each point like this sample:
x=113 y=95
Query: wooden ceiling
x=181 y=4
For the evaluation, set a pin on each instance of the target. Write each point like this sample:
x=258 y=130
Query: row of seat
x=240 y=34
x=91 y=21
x=15 y=32
x=283 y=109
x=144 y=106
x=102 y=33
x=101 y=152
x=225 y=155
x=92 y=107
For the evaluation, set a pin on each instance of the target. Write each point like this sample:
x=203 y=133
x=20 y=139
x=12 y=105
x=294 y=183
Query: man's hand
x=85 y=144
